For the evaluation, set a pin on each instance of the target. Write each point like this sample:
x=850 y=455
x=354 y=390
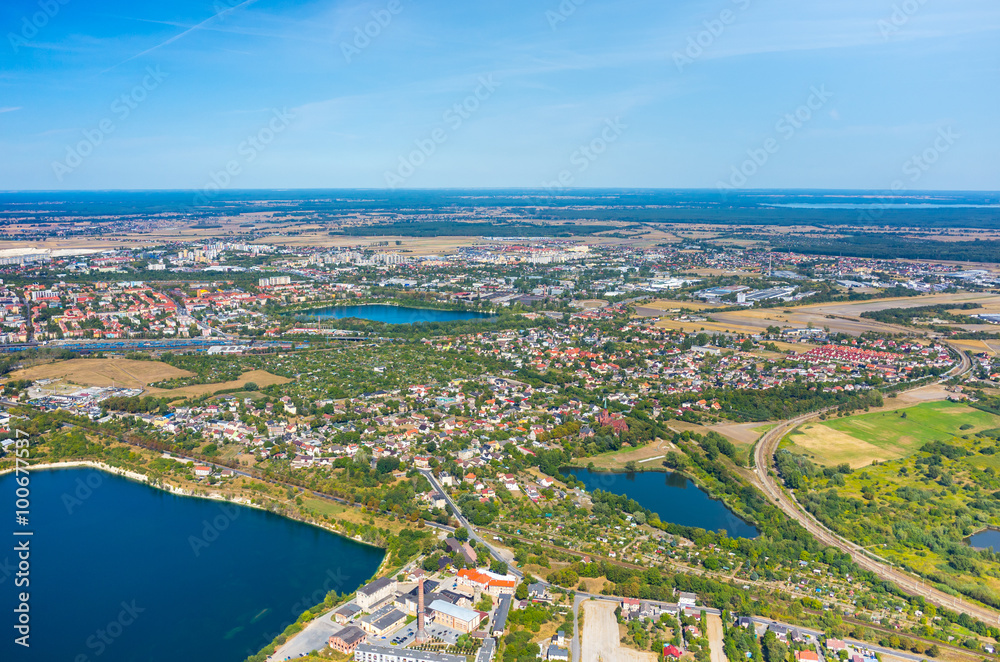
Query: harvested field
x=103 y=372
x=831 y=447
x=600 y=636
x=742 y=433
x=668 y=304
x=259 y=377
x=887 y=434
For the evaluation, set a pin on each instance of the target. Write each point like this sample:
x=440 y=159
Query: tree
x=461 y=534
x=498 y=567
x=631 y=467
x=521 y=592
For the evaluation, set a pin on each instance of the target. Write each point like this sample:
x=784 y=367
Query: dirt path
x=715 y=638
x=600 y=636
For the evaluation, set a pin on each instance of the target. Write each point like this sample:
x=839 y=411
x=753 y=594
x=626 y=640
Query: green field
x=860 y=440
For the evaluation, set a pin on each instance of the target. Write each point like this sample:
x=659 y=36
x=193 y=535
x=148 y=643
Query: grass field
x=885 y=435
x=618 y=459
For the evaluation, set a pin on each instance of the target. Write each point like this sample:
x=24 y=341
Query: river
x=123 y=571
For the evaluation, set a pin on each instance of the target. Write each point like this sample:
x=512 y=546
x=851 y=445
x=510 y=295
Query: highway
x=769 y=483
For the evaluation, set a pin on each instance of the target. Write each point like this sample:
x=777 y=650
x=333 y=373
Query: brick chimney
x=421 y=634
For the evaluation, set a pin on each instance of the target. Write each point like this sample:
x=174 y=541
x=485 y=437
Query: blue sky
x=101 y=94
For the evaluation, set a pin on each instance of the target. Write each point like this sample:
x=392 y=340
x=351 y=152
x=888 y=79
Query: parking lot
x=405 y=635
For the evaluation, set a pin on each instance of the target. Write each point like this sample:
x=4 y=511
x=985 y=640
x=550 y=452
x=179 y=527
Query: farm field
x=669 y=304
x=917 y=510
x=103 y=372
x=129 y=373
x=260 y=377
x=885 y=435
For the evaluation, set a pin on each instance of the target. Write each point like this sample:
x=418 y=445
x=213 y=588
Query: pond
x=986 y=539
x=123 y=571
x=393 y=314
x=673 y=497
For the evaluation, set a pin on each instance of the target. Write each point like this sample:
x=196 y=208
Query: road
x=473 y=534
x=768 y=481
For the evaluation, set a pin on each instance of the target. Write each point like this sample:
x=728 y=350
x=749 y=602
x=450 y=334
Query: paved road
x=767 y=478
x=473 y=534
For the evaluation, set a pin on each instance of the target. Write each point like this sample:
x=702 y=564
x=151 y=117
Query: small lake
x=121 y=571
x=986 y=539
x=393 y=314
x=673 y=497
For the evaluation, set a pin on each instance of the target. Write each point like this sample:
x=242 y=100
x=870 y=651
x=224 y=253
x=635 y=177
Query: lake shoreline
x=733 y=510
x=180 y=491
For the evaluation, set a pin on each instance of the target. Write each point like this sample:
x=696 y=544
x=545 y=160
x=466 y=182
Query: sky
x=192 y=94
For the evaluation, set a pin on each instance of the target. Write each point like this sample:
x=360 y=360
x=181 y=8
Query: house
x=465 y=549
x=346 y=613
x=538 y=592
x=630 y=606
x=744 y=622
x=555 y=653
x=455 y=617
x=489 y=582
x=347 y=639
x=806 y=656
x=672 y=652
x=836 y=645
x=500 y=617
x=375 y=592
x=384 y=620
x=202 y=471
x=687 y=600
x=779 y=630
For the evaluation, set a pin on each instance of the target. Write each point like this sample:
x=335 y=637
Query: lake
x=393 y=314
x=121 y=571
x=986 y=539
x=673 y=497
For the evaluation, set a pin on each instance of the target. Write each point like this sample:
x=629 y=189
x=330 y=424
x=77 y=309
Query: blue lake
x=673 y=497
x=121 y=571
x=987 y=538
x=394 y=314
